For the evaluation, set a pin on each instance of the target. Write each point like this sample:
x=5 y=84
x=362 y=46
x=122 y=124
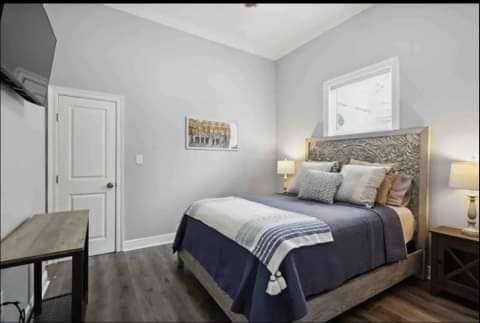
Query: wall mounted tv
x=27 y=50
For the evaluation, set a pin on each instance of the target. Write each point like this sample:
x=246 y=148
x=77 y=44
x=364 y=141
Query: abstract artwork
x=211 y=135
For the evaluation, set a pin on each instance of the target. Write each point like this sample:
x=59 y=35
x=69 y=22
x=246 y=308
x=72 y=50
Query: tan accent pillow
x=384 y=189
x=400 y=192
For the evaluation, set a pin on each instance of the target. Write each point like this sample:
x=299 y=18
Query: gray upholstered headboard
x=409 y=147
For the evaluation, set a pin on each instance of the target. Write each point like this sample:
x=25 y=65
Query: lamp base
x=285 y=183
x=471 y=232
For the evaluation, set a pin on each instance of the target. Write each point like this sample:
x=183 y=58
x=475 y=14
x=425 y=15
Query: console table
x=50 y=236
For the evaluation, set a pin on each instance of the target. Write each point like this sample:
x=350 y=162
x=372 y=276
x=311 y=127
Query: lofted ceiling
x=267 y=30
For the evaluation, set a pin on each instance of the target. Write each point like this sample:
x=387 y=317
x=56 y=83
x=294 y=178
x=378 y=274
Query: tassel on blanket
x=276 y=284
x=281 y=280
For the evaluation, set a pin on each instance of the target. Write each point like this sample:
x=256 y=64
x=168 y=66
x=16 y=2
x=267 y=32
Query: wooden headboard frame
x=409 y=147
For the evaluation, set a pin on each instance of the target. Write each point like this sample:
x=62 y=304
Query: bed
x=324 y=280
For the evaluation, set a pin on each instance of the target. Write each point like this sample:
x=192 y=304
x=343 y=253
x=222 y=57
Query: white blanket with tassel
x=267 y=232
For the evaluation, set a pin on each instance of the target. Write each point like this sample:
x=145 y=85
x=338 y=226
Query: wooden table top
x=452 y=232
x=45 y=236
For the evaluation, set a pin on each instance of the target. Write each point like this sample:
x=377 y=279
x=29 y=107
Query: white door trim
x=53 y=93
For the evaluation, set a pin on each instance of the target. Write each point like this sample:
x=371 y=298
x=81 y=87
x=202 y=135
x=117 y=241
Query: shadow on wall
x=442 y=155
x=22 y=173
x=440 y=190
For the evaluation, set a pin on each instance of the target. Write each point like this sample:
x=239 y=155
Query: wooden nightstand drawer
x=455 y=263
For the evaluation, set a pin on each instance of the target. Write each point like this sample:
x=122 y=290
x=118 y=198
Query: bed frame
x=409 y=147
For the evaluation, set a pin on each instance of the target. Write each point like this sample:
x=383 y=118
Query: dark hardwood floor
x=146 y=286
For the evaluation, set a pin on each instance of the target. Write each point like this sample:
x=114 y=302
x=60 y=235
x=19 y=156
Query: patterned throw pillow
x=360 y=184
x=320 y=186
x=385 y=188
x=400 y=192
x=306 y=165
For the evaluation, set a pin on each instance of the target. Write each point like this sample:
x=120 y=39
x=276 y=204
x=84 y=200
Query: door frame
x=54 y=92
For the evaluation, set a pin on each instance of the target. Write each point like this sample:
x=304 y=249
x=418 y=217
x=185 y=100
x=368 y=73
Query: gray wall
x=165 y=75
x=22 y=182
x=438 y=50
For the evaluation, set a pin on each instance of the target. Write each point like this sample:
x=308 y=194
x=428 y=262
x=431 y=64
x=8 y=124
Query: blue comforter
x=363 y=240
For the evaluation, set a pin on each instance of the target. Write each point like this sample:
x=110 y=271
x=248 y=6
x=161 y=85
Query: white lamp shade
x=464 y=175
x=286 y=167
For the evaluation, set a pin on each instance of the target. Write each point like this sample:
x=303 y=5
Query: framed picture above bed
x=210 y=134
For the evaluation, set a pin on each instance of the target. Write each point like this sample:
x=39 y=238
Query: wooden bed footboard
x=223 y=300
x=325 y=306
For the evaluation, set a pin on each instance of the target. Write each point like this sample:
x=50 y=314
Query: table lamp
x=464 y=175
x=285 y=168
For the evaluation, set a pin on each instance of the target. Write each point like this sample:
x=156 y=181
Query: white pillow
x=360 y=184
x=324 y=166
x=389 y=167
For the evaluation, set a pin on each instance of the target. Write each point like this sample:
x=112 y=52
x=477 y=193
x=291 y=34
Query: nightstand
x=455 y=259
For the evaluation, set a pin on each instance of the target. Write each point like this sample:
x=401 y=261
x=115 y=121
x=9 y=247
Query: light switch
x=139 y=159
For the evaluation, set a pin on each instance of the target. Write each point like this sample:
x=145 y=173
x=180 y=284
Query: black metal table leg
x=85 y=269
x=37 y=288
x=77 y=287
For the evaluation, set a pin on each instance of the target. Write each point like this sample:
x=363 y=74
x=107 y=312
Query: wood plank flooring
x=146 y=286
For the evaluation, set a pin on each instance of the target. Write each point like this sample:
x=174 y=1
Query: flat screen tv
x=27 y=50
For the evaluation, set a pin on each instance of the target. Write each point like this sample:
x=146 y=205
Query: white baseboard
x=45 y=284
x=58 y=260
x=148 y=241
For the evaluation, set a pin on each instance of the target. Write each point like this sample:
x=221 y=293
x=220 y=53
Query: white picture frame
x=212 y=135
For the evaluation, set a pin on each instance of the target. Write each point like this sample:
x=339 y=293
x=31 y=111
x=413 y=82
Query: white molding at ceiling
x=273 y=54
x=308 y=37
x=196 y=31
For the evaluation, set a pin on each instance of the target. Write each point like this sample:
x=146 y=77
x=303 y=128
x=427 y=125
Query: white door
x=86 y=150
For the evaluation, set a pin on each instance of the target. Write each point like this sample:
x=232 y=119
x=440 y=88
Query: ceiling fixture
x=250 y=5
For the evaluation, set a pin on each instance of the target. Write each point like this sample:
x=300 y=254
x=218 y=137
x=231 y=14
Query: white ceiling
x=268 y=30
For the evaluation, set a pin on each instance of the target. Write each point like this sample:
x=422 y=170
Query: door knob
x=110 y=185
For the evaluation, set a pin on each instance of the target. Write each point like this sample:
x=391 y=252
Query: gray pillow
x=320 y=186
x=306 y=165
x=360 y=184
